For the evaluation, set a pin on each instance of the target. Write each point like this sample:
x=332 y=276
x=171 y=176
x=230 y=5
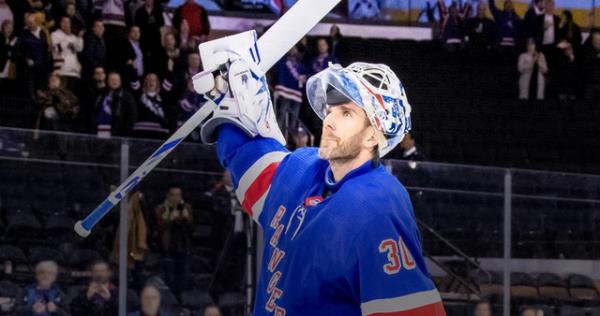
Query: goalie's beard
x=334 y=149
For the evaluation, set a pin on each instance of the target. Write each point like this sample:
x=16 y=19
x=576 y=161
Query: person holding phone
x=174 y=221
x=533 y=68
x=101 y=297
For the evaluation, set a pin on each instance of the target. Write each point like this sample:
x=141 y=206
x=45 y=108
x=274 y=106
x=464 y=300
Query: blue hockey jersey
x=330 y=248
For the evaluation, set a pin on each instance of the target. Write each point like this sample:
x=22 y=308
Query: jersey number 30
x=398 y=256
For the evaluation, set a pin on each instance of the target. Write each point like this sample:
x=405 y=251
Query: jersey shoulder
x=302 y=161
x=379 y=192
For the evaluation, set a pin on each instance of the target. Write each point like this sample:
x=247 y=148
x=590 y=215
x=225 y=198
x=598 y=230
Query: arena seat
x=80 y=259
x=22 y=226
x=195 y=300
x=37 y=254
x=232 y=302
x=582 y=288
x=523 y=287
x=12 y=253
x=59 y=228
x=552 y=287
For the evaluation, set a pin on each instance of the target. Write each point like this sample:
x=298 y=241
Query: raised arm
x=493 y=8
x=249 y=142
x=252 y=163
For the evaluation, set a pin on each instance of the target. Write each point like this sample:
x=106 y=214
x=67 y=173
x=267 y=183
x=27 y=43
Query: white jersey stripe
x=258 y=206
x=255 y=170
x=401 y=303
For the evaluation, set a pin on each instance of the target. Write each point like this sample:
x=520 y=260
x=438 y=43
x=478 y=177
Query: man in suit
x=548 y=31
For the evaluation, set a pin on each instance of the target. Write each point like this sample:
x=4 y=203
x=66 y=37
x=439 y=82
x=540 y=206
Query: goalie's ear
x=371 y=139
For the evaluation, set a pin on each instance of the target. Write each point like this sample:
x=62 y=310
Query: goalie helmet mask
x=373 y=87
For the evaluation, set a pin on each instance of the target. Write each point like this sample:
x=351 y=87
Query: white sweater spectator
x=65 y=48
x=527 y=65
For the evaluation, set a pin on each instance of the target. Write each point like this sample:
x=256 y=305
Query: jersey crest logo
x=296 y=220
x=313 y=200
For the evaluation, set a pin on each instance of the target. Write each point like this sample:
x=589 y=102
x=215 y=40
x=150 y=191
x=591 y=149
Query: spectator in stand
x=189 y=103
x=591 y=68
x=98 y=82
x=531 y=311
x=532 y=66
x=53 y=12
x=481 y=32
x=115 y=110
x=65 y=47
x=112 y=13
x=307 y=52
x=187 y=42
x=43 y=18
x=137 y=232
x=92 y=90
x=135 y=55
x=336 y=42
x=84 y=7
x=300 y=138
x=548 y=31
x=5 y=12
x=174 y=218
x=184 y=74
x=77 y=22
x=453 y=28
x=409 y=149
x=149 y=18
x=101 y=296
x=32 y=56
x=482 y=308
x=507 y=24
x=44 y=298
x=547 y=25
x=569 y=31
x=221 y=201
x=149 y=302
x=152 y=110
x=94 y=50
x=212 y=310
x=59 y=108
x=530 y=24
x=323 y=58
x=289 y=83
x=567 y=72
x=169 y=58
x=8 y=70
x=429 y=13
x=196 y=17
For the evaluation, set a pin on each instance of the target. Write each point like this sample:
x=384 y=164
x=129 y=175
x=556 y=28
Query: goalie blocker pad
x=246 y=103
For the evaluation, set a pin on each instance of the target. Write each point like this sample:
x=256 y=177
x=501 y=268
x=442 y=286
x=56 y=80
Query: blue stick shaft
x=84 y=227
x=97 y=214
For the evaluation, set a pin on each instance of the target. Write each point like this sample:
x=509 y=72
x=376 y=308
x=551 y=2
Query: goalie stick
x=264 y=52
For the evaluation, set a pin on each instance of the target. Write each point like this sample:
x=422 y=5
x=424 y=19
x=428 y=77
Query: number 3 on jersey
x=398 y=256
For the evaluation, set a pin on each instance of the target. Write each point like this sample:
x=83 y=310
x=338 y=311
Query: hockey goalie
x=340 y=236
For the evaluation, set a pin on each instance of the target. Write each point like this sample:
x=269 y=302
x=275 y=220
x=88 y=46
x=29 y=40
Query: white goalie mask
x=373 y=87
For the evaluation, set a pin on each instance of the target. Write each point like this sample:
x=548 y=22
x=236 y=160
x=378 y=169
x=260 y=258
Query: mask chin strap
x=382 y=142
